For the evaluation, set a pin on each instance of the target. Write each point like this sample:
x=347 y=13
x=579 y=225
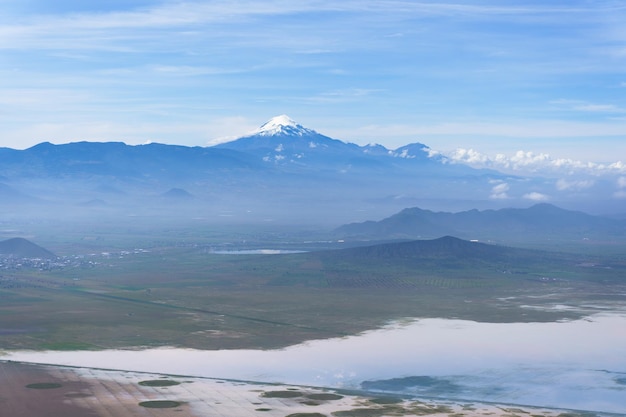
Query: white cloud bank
x=524 y=162
x=621 y=188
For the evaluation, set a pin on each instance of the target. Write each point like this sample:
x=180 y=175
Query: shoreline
x=536 y=365
x=97 y=390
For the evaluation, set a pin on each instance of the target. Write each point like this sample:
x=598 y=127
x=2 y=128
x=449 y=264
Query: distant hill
x=446 y=262
x=444 y=252
x=541 y=220
x=22 y=248
x=443 y=247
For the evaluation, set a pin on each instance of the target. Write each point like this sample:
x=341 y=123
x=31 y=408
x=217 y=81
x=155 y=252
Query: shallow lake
x=256 y=252
x=577 y=364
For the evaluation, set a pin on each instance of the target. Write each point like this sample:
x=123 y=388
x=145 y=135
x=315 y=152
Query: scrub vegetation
x=160 y=404
x=282 y=394
x=159 y=383
x=44 y=385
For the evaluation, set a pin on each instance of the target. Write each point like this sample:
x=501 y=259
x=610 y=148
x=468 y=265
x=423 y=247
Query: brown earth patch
x=18 y=400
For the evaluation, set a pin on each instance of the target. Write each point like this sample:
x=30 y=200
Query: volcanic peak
x=283 y=125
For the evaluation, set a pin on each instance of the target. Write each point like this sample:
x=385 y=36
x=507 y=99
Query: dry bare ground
x=28 y=390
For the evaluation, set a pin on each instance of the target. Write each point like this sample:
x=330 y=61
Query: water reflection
x=577 y=364
x=256 y=252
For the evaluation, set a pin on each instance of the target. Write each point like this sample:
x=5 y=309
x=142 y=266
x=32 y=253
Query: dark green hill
x=22 y=248
x=446 y=262
x=448 y=253
x=447 y=247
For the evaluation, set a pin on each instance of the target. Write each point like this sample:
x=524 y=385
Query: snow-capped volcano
x=283 y=125
x=283 y=141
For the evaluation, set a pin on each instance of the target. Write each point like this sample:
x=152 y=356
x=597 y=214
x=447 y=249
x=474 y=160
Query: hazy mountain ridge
x=301 y=148
x=539 y=220
x=116 y=159
x=281 y=171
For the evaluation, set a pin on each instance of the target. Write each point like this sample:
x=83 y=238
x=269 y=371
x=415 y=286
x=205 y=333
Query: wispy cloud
x=191 y=71
x=345 y=95
x=569 y=184
x=584 y=106
x=535 y=196
x=499 y=191
x=175 y=22
x=196 y=16
x=515 y=128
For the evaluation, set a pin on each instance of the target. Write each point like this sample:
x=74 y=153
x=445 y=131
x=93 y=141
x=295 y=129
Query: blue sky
x=494 y=76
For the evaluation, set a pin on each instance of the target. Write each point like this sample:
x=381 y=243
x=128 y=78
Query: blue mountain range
x=281 y=170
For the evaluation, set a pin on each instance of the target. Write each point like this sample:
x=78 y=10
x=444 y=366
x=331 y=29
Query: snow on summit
x=283 y=125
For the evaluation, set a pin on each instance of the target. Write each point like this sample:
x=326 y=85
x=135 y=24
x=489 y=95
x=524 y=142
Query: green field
x=186 y=296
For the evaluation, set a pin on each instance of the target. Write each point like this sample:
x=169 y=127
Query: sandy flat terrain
x=28 y=390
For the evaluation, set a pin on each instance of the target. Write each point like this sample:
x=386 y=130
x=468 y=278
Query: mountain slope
x=284 y=136
x=22 y=248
